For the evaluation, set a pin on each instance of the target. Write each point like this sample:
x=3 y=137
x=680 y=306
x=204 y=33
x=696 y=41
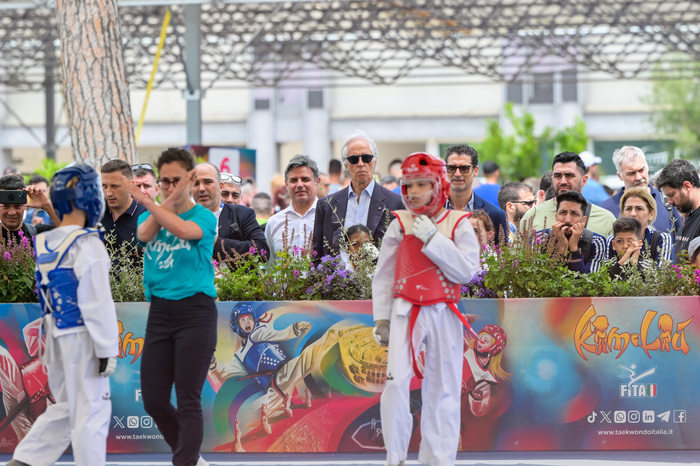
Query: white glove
x=424 y=228
x=381 y=332
x=107 y=366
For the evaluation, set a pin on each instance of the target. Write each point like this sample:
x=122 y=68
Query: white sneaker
x=201 y=462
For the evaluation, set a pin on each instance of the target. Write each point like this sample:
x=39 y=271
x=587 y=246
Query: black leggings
x=180 y=341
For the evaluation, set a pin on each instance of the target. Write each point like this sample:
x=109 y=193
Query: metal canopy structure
x=382 y=42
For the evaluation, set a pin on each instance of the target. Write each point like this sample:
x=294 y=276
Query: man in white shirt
x=291 y=229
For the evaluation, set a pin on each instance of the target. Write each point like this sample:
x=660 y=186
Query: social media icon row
x=133 y=422
x=647 y=416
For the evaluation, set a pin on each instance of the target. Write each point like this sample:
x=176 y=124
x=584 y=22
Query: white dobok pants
x=83 y=407
x=441 y=331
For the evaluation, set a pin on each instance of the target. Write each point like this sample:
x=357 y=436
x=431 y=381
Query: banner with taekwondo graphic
x=574 y=374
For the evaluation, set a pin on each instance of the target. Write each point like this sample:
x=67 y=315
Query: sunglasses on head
x=355 y=159
x=229 y=178
x=144 y=166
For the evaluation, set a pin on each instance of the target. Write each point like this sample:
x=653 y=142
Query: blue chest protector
x=262 y=360
x=58 y=286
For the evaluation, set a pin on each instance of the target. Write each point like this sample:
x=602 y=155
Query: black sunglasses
x=464 y=169
x=527 y=203
x=355 y=159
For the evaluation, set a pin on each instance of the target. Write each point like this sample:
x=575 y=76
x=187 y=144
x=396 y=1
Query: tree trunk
x=94 y=81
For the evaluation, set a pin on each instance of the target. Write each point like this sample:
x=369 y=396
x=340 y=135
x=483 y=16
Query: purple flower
x=7 y=256
x=296 y=273
x=20 y=233
x=251 y=250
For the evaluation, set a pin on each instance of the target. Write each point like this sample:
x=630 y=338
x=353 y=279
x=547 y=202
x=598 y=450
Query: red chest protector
x=417 y=279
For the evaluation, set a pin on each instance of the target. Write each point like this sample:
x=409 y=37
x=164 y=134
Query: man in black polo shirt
x=122 y=213
x=679 y=181
x=12 y=215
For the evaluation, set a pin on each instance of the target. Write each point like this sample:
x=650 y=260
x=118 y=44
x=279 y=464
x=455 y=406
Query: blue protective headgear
x=239 y=310
x=85 y=195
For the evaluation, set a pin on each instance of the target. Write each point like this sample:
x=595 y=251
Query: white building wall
x=400 y=118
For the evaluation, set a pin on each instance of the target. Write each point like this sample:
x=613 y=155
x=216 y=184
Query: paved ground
x=578 y=458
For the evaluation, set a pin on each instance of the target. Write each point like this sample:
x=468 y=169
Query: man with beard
x=515 y=198
x=237 y=228
x=583 y=250
x=568 y=174
x=679 y=181
x=633 y=170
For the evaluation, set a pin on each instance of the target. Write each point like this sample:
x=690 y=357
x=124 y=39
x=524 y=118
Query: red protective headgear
x=422 y=166
x=499 y=338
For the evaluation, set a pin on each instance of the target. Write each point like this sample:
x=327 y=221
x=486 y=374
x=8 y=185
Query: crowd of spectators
x=309 y=213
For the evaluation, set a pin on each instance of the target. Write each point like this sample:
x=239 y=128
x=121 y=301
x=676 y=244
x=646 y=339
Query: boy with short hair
x=627 y=242
x=80 y=323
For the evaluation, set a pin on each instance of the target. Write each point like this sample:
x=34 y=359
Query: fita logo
x=633 y=388
x=606 y=339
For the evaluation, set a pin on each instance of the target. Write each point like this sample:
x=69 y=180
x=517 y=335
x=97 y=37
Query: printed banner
x=575 y=374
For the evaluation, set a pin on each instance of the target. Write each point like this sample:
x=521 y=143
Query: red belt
x=414 y=316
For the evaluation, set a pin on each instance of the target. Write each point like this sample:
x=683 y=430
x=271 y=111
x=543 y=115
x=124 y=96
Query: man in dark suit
x=462 y=167
x=238 y=230
x=363 y=202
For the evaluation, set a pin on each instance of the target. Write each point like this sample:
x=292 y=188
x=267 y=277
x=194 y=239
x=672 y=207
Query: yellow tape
x=161 y=43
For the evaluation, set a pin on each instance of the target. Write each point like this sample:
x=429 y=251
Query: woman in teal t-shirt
x=178 y=239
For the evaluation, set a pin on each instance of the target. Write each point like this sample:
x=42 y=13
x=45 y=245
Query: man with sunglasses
x=237 y=229
x=120 y=219
x=515 y=198
x=462 y=167
x=230 y=188
x=363 y=202
x=12 y=225
x=145 y=179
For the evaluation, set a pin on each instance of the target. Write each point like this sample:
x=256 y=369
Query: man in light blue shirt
x=362 y=202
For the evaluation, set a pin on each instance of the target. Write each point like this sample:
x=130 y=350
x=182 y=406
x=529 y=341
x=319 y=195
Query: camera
x=13 y=197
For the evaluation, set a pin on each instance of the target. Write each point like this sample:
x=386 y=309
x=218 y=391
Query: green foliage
x=530 y=267
x=126 y=273
x=676 y=103
x=240 y=278
x=17 y=281
x=48 y=168
x=572 y=138
x=519 y=155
